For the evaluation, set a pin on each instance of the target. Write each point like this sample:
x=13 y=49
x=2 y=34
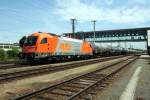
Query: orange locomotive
x=46 y=45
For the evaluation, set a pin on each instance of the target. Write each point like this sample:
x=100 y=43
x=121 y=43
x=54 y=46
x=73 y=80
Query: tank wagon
x=50 y=46
x=107 y=50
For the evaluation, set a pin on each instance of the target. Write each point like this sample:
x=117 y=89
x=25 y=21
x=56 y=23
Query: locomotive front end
x=29 y=47
x=38 y=46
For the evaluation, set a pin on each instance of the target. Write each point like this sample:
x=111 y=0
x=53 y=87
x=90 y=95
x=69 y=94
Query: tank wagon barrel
x=107 y=50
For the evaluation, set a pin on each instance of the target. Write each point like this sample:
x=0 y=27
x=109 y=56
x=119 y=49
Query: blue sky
x=23 y=17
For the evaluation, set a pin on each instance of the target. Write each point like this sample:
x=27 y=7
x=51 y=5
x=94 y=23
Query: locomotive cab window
x=30 y=41
x=43 y=41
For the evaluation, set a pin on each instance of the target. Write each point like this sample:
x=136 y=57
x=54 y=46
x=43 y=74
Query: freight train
x=41 y=45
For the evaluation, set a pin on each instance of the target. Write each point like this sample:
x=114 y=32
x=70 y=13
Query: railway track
x=6 y=62
x=12 y=64
x=5 y=65
x=5 y=77
x=82 y=87
x=8 y=66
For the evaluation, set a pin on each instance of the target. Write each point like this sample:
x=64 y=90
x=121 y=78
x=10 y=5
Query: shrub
x=13 y=53
x=2 y=54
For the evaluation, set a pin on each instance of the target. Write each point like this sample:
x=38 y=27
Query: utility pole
x=94 y=21
x=73 y=20
x=125 y=45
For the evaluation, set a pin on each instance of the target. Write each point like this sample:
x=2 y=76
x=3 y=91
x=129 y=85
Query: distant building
x=9 y=46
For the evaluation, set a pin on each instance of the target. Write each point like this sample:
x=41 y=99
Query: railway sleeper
x=96 y=74
x=59 y=90
x=87 y=97
x=78 y=84
x=72 y=90
x=82 y=81
x=75 y=86
x=59 y=93
x=43 y=98
x=53 y=96
x=90 y=78
x=47 y=96
x=94 y=77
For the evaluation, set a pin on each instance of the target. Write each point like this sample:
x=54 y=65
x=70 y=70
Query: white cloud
x=67 y=9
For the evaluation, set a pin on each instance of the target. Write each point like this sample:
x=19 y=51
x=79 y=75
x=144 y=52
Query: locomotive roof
x=71 y=39
x=62 y=37
x=44 y=33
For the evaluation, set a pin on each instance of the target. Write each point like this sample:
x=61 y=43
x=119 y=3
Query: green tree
x=13 y=53
x=2 y=54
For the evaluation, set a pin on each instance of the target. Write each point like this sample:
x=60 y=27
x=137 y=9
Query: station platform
x=133 y=84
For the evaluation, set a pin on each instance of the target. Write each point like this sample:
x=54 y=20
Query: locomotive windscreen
x=30 y=41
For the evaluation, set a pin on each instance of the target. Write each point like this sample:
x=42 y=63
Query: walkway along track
x=78 y=87
x=49 y=69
